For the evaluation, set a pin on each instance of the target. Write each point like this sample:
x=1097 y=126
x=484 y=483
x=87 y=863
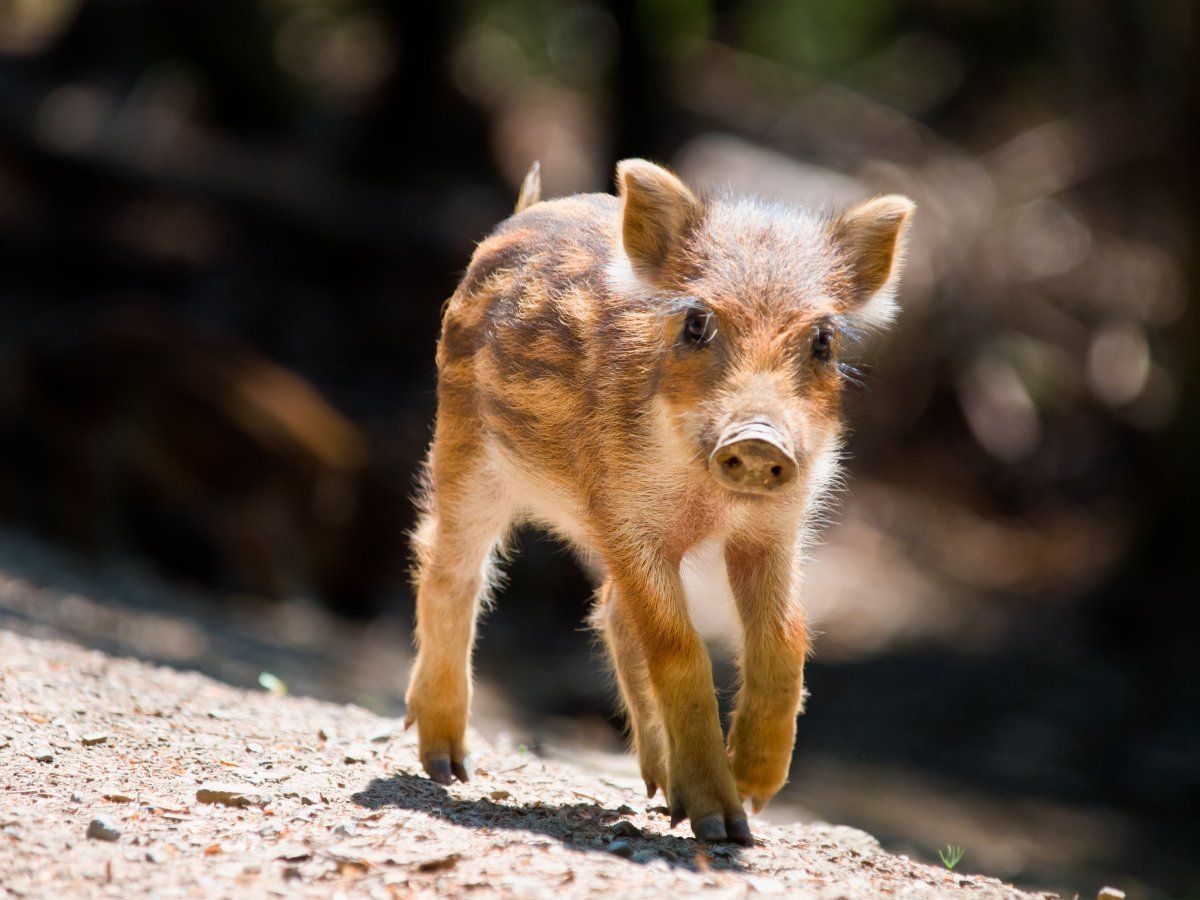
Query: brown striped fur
x=569 y=397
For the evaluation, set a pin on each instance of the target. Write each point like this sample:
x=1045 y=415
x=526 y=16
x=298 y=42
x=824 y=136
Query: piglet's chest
x=684 y=518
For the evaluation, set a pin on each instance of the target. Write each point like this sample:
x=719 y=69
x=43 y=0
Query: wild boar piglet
x=652 y=377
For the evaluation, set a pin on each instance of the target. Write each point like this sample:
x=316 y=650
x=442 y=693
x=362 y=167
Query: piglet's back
x=516 y=336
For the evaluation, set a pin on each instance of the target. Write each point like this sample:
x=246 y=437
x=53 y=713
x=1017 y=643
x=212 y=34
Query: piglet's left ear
x=658 y=210
x=870 y=238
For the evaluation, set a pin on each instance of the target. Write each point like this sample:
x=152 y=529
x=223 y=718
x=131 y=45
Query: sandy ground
x=190 y=787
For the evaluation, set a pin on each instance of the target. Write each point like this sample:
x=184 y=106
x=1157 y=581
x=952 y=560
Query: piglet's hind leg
x=456 y=541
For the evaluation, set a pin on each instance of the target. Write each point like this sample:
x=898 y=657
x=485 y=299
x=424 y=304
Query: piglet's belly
x=538 y=499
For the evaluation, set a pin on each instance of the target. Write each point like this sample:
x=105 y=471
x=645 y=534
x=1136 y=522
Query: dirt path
x=312 y=799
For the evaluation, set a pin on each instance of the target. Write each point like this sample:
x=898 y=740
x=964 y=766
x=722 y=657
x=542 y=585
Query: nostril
x=732 y=463
x=776 y=470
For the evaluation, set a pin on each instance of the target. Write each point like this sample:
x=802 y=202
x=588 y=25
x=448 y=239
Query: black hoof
x=678 y=814
x=438 y=768
x=738 y=831
x=710 y=829
x=463 y=770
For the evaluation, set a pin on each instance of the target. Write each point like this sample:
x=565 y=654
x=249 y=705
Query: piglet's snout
x=753 y=458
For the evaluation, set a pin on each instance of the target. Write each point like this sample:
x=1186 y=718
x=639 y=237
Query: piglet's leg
x=701 y=785
x=455 y=543
x=633 y=678
x=776 y=642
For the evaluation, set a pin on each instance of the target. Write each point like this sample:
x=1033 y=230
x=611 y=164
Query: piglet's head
x=752 y=304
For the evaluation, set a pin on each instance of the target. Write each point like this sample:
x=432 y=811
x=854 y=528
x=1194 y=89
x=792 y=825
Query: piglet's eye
x=822 y=345
x=696 y=328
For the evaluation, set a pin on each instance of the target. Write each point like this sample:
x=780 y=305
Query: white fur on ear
x=623 y=280
x=871 y=238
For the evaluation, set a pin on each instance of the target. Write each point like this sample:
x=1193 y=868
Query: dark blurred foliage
x=227 y=228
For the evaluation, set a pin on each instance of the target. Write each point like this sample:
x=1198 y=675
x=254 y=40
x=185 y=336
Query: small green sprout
x=951 y=856
x=272 y=683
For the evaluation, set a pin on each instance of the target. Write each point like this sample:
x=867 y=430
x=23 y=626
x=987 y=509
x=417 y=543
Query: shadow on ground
x=123 y=608
x=585 y=826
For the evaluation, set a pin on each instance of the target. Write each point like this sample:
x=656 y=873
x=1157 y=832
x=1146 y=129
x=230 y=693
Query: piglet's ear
x=658 y=211
x=870 y=236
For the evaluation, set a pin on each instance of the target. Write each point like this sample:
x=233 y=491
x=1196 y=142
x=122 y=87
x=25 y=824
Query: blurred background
x=226 y=231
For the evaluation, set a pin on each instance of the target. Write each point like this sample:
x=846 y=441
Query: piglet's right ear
x=871 y=237
x=658 y=211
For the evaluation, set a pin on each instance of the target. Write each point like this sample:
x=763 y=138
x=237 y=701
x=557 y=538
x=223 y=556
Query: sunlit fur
x=567 y=398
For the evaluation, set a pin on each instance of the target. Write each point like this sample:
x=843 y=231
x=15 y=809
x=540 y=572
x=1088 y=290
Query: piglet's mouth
x=753 y=458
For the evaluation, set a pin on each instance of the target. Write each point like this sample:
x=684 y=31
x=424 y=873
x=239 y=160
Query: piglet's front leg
x=762 y=575
x=701 y=785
